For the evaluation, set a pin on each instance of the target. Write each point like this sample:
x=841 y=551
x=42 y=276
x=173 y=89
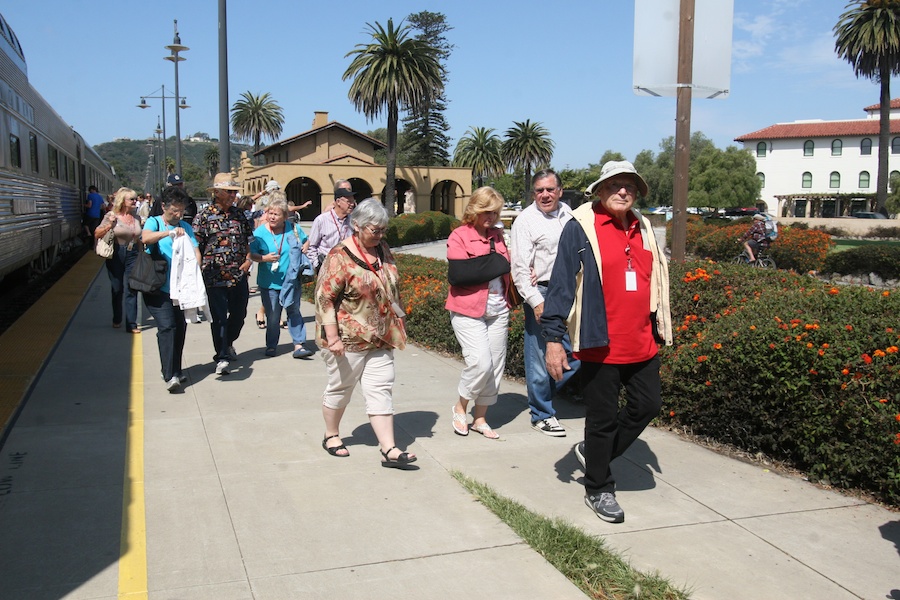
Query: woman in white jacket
x=161 y=232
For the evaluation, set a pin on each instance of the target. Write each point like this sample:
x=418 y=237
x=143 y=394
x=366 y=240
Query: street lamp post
x=160 y=171
x=175 y=48
x=183 y=104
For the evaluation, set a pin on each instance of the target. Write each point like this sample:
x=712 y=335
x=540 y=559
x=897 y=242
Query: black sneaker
x=579 y=454
x=605 y=506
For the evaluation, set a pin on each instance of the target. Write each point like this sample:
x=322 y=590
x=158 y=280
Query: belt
x=543 y=283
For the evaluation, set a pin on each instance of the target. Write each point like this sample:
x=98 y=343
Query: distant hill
x=130 y=159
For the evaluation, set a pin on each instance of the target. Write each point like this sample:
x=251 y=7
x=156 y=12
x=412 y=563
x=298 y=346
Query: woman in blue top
x=271 y=247
x=170 y=323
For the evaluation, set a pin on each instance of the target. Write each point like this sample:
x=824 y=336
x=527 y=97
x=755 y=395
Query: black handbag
x=477 y=270
x=150 y=271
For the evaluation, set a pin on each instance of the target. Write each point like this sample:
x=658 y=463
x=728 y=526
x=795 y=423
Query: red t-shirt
x=627 y=311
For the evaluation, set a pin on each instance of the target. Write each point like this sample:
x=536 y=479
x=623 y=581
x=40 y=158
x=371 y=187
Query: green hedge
x=416 y=228
x=862 y=260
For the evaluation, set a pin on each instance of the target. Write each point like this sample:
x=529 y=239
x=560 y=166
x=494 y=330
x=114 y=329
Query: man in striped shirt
x=533 y=241
x=332 y=226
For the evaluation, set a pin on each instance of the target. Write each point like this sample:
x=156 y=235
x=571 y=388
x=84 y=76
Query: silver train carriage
x=45 y=170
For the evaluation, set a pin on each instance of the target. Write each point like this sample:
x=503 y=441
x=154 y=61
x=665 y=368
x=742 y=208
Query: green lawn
x=841 y=244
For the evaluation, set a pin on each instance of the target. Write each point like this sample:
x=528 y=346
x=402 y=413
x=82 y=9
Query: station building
x=822 y=169
x=307 y=166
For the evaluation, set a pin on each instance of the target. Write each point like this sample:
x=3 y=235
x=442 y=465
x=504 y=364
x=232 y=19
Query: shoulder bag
x=150 y=271
x=478 y=269
x=105 y=246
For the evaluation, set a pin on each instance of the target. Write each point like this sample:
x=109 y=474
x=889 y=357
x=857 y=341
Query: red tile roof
x=819 y=129
x=895 y=103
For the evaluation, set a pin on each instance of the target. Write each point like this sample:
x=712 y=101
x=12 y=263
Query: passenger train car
x=45 y=170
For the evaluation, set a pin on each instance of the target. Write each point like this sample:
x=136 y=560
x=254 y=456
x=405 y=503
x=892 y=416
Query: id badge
x=130 y=246
x=630 y=280
x=398 y=310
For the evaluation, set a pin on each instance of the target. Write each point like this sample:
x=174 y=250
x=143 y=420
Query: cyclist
x=755 y=239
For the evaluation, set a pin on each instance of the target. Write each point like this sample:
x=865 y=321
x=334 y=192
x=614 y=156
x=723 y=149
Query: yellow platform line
x=27 y=344
x=133 y=549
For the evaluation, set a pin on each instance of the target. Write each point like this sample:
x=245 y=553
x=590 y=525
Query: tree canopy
x=527 y=145
x=255 y=118
x=481 y=150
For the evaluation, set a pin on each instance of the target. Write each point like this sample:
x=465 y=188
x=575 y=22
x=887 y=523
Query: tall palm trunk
x=884 y=134
x=389 y=192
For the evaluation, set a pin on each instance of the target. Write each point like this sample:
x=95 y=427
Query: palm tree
x=391 y=72
x=868 y=37
x=527 y=145
x=254 y=118
x=211 y=159
x=480 y=150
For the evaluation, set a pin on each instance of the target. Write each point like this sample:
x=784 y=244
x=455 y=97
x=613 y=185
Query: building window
x=52 y=160
x=807 y=180
x=761 y=150
x=834 y=181
x=863 y=179
x=32 y=142
x=891 y=179
x=837 y=146
x=15 y=152
x=895 y=146
x=865 y=147
x=762 y=179
x=808 y=147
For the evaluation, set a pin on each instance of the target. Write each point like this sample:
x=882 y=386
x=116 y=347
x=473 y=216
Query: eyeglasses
x=615 y=186
x=376 y=230
x=545 y=189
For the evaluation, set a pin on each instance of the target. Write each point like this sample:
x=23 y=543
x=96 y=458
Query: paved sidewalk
x=243 y=503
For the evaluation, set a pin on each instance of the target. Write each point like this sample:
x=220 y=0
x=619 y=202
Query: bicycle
x=762 y=261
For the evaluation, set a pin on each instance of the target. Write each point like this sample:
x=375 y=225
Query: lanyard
x=275 y=238
x=368 y=264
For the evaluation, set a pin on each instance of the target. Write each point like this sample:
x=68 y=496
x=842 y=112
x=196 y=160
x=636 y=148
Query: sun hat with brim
x=272 y=185
x=224 y=181
x=618 y=167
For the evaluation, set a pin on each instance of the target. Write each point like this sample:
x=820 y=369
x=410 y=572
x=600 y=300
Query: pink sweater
x=465 y=242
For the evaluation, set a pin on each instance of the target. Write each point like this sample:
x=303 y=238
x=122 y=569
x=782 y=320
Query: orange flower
x=708 y=382
x=702 y=358
x=809 y=344
x=879 y=353
x=753 y=328
x=834 y=291
x=813 y=372
x=671 y=413
x=867 y=359
x=825 y=345
x=717 y=346
x=883 y=400
x=771 y=346
x=848 y=327
x=696 y=297
x=821 y=352
x=885 y=293
x=897 y=417
x=891 y=349
x=845 y=371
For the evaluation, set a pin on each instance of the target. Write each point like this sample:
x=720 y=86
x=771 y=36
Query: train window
x=71 y=171
x=52 y=160
x=32 y=143
x=15 y=152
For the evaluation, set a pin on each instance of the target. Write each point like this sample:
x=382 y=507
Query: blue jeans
x=118 y=267
x=296 y=325
x=228 y=309
x=170 y=332
x=541 y=386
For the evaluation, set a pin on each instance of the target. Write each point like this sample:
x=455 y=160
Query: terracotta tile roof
x=819 y=129
x=331 y=125
x=895 y=103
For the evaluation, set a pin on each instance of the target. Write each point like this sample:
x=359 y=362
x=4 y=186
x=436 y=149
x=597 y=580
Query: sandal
x=460 y=425
x=402 y=461
x=260 y=323
x=485 y=430
x=335 y=449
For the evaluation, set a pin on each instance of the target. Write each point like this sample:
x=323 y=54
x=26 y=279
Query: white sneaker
x=549 y=427
x=222 y=367
x=173 y=385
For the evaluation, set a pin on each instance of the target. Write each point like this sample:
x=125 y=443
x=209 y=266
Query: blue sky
x=569 y=67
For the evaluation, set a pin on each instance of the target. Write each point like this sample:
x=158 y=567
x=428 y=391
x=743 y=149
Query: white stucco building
x=821 y=168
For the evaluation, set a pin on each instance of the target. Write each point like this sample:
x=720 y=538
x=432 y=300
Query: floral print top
x=224 y=241
x=359 y=301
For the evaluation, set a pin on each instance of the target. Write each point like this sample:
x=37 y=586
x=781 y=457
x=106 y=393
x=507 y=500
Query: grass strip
x=582 y=558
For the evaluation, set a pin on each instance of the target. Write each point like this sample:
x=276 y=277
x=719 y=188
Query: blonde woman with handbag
x=122 y=220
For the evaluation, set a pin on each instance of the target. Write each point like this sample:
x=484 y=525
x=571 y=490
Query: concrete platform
x=239 y=501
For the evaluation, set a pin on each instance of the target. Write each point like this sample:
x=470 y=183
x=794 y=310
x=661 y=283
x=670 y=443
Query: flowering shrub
x=796 y=248
x=783 y=364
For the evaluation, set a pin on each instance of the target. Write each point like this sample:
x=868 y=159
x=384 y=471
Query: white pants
x=483 y=342
x=373 y=370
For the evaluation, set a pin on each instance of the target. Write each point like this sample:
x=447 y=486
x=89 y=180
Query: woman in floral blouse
x=359 y=322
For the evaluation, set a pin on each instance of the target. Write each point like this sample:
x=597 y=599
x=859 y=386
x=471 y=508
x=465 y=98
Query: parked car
x=869 y=215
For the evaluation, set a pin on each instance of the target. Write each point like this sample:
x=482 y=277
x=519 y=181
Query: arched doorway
x=362 y=189
x=443 y=194
x=400 y=187
x=301 y=190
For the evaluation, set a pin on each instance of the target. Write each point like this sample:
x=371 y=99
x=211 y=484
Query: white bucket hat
x=272 y=185
x=618 y=167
